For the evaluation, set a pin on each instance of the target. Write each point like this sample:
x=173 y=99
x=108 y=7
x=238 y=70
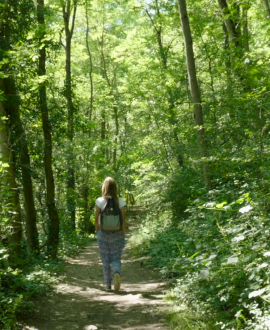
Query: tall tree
x=232 y=28
x=245 y=7
x=267 y=6
x=89 y=52
x=111 y=86
x=3 y=14
x=20 y=145
x=17 y=133
x=163 y=53
x=194 y=88
x=15 y=222
x=105 y=75
x=53 y=235
x=69 y=9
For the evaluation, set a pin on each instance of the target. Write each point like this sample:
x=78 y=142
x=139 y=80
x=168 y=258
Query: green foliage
x=71 y=243
x=139 y=128
x=217 y=254
x=182 y=318
x=17 y=288
x=38 y=277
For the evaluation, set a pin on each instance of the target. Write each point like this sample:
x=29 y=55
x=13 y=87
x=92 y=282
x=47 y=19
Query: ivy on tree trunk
x=69 y=9
x=53 y=225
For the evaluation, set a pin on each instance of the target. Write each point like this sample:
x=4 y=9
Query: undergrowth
x=216 y=256
x=18 y=287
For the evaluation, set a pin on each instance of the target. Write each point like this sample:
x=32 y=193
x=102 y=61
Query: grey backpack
x=111 y=217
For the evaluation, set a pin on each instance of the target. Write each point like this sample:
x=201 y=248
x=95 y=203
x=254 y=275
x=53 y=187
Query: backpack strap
x=104 y=207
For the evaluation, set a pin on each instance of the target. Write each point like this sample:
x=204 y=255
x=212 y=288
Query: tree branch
x=73 y=18
x=152 y=21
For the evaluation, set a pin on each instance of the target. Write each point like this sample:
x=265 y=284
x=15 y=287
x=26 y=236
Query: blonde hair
x=109 y=188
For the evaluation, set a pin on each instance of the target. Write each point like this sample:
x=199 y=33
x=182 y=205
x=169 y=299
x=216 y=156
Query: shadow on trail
x=73 y=312
x=80 y=301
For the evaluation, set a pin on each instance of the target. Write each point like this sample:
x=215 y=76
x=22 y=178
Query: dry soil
x=79 y=301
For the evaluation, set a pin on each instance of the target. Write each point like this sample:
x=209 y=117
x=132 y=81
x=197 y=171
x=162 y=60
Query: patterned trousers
x=111 y=247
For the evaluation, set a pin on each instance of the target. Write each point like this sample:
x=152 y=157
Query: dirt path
x=80 y=302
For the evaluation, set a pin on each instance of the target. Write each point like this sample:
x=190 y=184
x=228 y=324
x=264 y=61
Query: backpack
x=111 y=217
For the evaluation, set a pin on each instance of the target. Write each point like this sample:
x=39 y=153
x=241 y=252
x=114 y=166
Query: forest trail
x=80 y=301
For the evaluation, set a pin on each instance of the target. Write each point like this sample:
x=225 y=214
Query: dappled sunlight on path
x=80 y=302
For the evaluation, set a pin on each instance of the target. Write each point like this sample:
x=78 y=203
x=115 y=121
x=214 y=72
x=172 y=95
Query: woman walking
x=111 y=243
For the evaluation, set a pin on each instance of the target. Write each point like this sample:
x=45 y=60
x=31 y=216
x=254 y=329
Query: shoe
x=108 y=287
x=116 y=281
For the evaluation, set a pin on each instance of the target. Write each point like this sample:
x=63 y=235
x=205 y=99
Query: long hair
x=109 y=188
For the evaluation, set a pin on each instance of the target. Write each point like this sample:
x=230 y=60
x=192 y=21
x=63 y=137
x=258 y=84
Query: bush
x=216 y=255
x=37 y=278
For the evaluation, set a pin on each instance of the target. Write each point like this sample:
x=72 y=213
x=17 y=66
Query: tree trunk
x=18 y=140
x=103 y=129
x=103 y=112
x=230 y=24
x=19 y=143
x=71 y=204
x=104 y=73
x=87 y=226
x=267 y=6
x=116 y=120
x=15 y=224
x=236 y=16
x=4 y=11
x=91 y=103
x=163 y=58
x=53 y=225
x=245 y=27
x=85 y=184
x=226 y=38
x=194 y=88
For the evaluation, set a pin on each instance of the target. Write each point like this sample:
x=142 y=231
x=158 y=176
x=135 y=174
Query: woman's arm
x=123 y=210
x=97 y=217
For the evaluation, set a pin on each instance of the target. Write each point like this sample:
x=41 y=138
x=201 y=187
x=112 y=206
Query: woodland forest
x=172 y=99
